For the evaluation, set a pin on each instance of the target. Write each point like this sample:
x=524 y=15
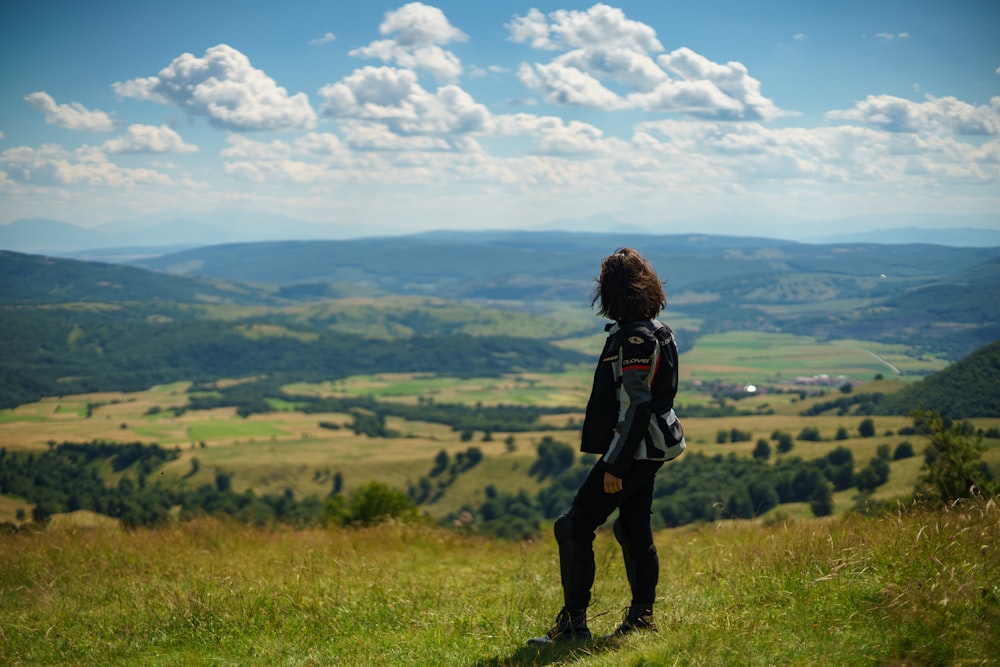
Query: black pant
x=591 y=508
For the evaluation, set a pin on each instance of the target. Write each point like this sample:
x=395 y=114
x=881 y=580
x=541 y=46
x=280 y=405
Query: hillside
x=500 y=302
x=964 y=390
x=35 y=279
x=474 y=264
x=914 y=588
x=935 y=298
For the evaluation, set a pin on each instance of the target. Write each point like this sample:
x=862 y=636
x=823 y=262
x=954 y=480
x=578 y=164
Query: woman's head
x=628 y=288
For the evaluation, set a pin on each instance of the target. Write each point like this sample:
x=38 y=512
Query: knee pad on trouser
x=642 y=565
x=563 y=527
x=576 y=563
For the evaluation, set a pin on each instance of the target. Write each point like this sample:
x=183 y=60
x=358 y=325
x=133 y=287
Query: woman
x=630 y=422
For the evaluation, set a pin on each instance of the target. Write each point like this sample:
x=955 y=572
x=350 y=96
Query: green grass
x=760 y=358
x=917 y=587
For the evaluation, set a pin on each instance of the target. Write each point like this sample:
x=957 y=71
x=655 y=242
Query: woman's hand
x=612 y=484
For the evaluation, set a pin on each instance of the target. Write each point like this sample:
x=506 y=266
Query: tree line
x=54 y=352
x=694 y=488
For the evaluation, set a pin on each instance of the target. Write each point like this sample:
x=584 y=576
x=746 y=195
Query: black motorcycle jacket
x=630 y=412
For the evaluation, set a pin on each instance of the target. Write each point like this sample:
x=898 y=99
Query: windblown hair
x=628 y=288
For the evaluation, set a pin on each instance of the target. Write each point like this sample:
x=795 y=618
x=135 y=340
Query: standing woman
x=631 y=423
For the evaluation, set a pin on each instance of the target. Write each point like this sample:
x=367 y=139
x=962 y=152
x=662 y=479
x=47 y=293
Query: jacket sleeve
x=635 y=399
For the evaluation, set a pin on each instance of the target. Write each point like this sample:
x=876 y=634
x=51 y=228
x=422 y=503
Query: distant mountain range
x=156 y=236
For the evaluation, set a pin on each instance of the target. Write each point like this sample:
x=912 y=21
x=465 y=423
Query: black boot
x=570 y=625
x=576 y=572
x=638 y=618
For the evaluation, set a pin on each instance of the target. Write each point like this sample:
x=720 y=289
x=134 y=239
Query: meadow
x=910 y=586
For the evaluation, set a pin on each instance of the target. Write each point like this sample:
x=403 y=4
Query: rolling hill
x=936 y=298
x=501 y=299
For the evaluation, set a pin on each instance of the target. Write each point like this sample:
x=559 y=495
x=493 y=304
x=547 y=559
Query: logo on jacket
x=635 y=340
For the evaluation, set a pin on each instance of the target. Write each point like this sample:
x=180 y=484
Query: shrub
x=904 y=450
x=376 y=502
x=954 y=467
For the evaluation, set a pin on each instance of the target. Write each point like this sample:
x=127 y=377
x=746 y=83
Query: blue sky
x=787 y=119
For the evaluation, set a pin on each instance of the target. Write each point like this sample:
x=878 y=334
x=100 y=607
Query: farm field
x=286 y=449
x=270 y=453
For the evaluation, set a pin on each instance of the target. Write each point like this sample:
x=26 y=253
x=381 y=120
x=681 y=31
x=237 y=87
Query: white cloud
x=531 y=29
x=743 y=98
x=224 y=87
x=553 y=135
x=149 y=139
x=52 y=165
x=935 y=115
x=321 y=144
x=609 y=66
x=417 y=24
x=560 y=84
x=416 y=33
x=377 y=137
x=325 y=38
x=799 y=36
x=242 y=148
x=600 y=26
x=395 y=98
x=73 y=116
x=889 y=36
x=750 y=153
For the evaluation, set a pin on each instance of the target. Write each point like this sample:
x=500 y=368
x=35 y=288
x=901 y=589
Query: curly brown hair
x=628 y=288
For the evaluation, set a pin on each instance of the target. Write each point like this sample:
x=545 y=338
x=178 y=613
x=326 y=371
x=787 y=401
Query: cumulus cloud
x=751 y=153
x=600 y=26
x=377 y=137
x=224 y=87
x=934 y=115
x=149 y=139
x=54 y=165
x=73 y=116
x=415 y=34
x=394 y=97
x=609 y=65
x=553 y=135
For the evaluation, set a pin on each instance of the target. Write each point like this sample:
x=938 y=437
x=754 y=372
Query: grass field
x=761 y=358
x=915 y=587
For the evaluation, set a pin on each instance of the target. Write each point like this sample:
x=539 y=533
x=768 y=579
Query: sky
x=776 y=118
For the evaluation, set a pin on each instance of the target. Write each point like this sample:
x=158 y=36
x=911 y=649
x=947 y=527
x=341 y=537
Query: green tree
x=866 y=429
x=904 y=450
x=809 y=434
x=441 y=463
x=821 y=499
x=223 y=481
x=953 y=465
x=375 y=502
x=762 y=450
